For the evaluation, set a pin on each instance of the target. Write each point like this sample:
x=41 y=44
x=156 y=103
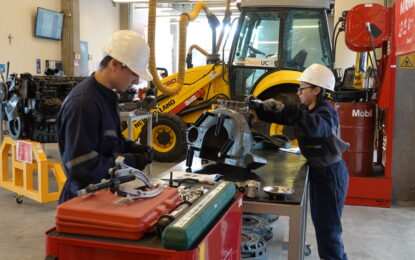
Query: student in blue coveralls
x=316 y=123
x=89 y=130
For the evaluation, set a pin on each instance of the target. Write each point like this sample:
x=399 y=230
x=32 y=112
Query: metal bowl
x=278 y=190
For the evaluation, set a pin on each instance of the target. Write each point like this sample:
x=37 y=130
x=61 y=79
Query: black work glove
x=268 y=105
x=138 y=160
x=253 y=102
x=272 y=105
x=132 y=147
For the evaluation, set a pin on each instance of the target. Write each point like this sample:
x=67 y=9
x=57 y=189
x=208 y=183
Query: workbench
x=282 y=169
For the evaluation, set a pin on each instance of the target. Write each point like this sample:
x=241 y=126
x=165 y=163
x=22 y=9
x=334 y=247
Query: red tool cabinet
x=100 y=215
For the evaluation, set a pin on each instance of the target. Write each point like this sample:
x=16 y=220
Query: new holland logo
x=166 y=105
x=361 y=113
x=139 y=123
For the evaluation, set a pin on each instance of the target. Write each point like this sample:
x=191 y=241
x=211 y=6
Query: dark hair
x=104 y=62
x=322 y=95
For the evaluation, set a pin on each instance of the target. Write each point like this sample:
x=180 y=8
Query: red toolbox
x=222 y=242
x=97 y=215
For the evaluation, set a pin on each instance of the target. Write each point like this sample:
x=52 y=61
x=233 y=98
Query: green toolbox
x=189 y=228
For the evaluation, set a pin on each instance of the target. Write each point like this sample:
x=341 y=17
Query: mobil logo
x=362 y=113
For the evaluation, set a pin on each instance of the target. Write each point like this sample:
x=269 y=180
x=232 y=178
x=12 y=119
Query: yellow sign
x=202 y=249
x=407 y=61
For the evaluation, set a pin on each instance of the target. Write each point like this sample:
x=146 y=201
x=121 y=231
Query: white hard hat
x=318 y=75
x=130 y=48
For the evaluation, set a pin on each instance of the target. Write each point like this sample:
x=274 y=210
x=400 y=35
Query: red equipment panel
x=98 y=214
x=372 y=192
x=357 y=35
x=376 y=190
x=221 y=242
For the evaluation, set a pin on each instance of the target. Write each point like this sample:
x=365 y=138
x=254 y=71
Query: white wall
x=198 y=32
x=164 y=38
x=18 y=19
x=345 y=58
x=99 y=19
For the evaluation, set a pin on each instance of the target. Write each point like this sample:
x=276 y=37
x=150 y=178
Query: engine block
x=31 y=104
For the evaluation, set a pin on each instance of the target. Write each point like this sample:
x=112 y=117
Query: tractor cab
x=270 y=38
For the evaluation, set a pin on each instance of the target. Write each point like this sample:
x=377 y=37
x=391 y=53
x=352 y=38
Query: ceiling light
x=163 y=9
x=130 y=1
x=305 y=26
x=171 y=1
x=221 y=8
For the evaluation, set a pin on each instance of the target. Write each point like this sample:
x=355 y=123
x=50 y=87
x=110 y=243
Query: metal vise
x=223 y=135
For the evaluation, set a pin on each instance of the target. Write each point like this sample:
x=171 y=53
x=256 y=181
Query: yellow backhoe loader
x=274 y=42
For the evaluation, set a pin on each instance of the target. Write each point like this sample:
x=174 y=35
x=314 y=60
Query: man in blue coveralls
x=89 y=130
x=316 y=124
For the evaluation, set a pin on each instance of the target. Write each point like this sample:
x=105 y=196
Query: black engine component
x=252 y=244
x=31 y=105
x=257 y=224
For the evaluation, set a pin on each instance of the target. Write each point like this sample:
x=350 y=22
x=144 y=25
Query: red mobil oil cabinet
x=357 y=127
x=222 y=242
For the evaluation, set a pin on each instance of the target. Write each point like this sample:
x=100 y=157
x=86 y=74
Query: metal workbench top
x=282 y=169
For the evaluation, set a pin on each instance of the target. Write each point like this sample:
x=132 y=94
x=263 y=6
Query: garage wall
x=18 y=19
x=403 y=157
x=99 y=20
x=344 y=57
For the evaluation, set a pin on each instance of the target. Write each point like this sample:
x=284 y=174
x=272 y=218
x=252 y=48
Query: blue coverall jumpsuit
x=90 y=136
x=316 y=131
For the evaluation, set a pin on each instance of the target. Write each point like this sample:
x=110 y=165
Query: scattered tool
x=249 y=188
x=166 y=219
x=176 y=178
x=120 y=174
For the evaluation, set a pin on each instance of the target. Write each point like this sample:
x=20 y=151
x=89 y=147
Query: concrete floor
x=369 y=233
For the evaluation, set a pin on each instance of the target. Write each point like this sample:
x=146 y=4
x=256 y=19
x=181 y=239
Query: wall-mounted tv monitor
x=48 y=24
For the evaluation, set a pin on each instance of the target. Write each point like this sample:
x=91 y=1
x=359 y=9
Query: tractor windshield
x=270 y=39
x=306 y=40
x=258 y=38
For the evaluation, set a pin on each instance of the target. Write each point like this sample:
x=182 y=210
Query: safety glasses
x=301 y=89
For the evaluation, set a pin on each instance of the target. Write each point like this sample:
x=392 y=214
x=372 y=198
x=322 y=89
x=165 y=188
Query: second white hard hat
x=130 y=48
x=318 y=75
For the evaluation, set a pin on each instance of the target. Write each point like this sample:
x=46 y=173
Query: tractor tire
x=168 y=137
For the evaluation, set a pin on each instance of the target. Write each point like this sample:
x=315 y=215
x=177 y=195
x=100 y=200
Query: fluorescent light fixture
x=305 y=26
x=163 y=9
x=129 y=1
x=268 y=42
x=222 y=8
x=146 y=1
